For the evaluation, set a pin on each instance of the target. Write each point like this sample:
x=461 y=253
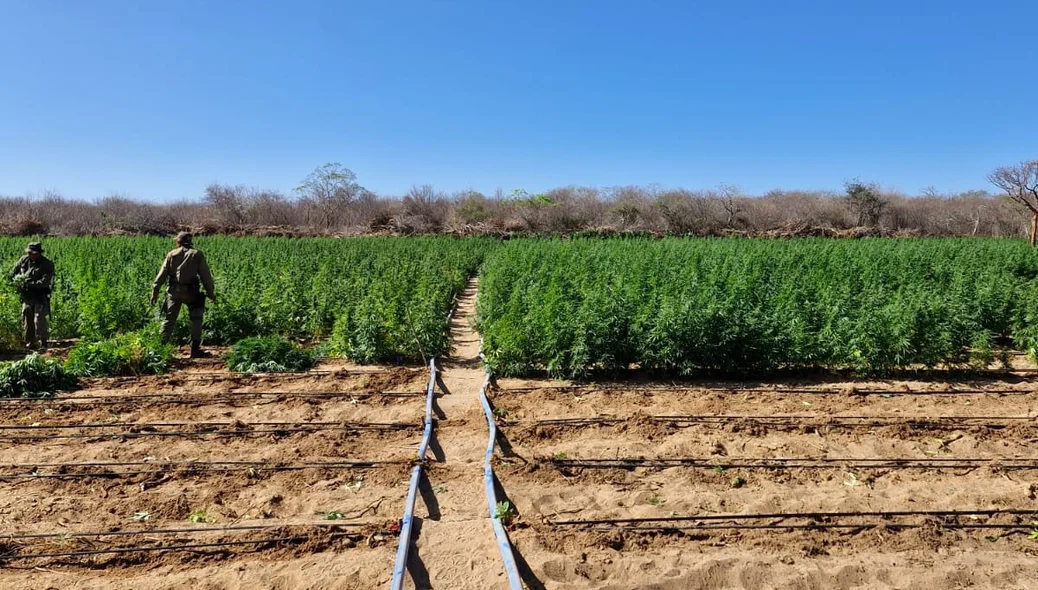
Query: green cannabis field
x=681 y=305
x=569 y=306
x=370 y=299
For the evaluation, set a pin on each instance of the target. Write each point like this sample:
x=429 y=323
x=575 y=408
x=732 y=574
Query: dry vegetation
x=331 y=202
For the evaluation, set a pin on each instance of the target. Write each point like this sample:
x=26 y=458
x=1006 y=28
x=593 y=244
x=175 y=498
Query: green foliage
x=505 y=512
x=134 y=353
x=742 y=305
x=201 y=517
x=373 y=298
x=268 y=354
x=34 y=376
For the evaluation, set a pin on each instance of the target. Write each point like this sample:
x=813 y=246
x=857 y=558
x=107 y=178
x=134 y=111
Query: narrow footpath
x=455 y=546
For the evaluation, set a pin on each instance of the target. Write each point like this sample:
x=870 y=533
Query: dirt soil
x=153 y=460
x=831 y=420
x=151 y=421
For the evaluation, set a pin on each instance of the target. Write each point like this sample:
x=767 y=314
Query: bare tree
x=728 y=195
x=327 y=194
x=1020 y=183
x=228 y=203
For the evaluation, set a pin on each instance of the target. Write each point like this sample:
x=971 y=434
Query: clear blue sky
x=158 y=99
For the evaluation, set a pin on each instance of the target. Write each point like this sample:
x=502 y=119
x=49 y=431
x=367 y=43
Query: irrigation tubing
x=188 y=398
x=181 y=547
x=230 y=432
x=789 y=390
x=503 y=543
x=178 y=547
x=179 y=531
x=406 y=524
x=104 y=470
x=787 y=463
x=817 y=520
x=798 y=420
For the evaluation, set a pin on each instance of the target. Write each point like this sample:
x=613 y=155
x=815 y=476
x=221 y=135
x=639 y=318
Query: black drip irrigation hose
x=178 y=531
x=337 y=530
x=778 y=391
x=213 y=429
x=188 y=398
x=783 y=463
x=29 y=471
x=210 y=375
x=935 y=422
x=816 y=520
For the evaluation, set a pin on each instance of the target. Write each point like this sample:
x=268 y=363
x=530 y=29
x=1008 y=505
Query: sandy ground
x=830 y=422
x=173 y=428
x=128 y=419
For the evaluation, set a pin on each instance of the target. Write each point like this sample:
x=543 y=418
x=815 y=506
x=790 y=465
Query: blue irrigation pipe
x=412 y=491
x=503 y=544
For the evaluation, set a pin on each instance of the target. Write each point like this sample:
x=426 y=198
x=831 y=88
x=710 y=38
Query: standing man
x=33 y=275
x=185 y=270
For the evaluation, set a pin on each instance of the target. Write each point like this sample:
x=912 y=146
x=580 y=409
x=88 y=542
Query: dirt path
x=455 y=545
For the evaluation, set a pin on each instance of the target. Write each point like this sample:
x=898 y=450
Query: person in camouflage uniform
x=33 y=275
x=185 y=270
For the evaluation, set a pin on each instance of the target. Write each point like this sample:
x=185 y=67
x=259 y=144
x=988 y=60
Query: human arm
x=206 y=277
x=160 y=279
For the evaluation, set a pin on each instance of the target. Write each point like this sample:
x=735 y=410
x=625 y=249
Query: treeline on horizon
x=331 y=202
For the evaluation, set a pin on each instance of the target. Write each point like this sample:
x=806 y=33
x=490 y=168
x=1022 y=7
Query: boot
x=196 y=350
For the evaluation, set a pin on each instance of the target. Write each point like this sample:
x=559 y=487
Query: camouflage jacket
x=182 y=270
x=38 y=278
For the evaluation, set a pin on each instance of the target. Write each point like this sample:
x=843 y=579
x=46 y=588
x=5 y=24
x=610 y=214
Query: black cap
x=184 y=238
x=34 y=248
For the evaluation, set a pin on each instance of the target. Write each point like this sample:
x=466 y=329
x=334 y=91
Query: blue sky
x=156 y=100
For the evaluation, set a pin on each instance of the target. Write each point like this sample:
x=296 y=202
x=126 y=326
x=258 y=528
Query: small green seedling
x=141 y=516
x=505 y=512
x=560 y=456
x=440 y=489
x=657 y=501
x=201 y=517
x=333 y=515
x=501 y=412
x=738 y=482
x=355 y=484
x=719 y=469
x=1034 y=535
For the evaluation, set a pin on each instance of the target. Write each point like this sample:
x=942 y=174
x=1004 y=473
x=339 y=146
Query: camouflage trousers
x=34 y=322
x=171 y=311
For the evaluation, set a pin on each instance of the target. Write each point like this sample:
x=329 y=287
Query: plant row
x=370 y=299
x=570 y=307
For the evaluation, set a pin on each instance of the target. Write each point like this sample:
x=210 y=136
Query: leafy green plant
x=268 y=354
x=201 y=517
x=657 y=501
x=681 y=306
x=505 y=512
x=738 y=482
x=135 y=353
x=374 y=298
x=35 y=376
x=332 y=515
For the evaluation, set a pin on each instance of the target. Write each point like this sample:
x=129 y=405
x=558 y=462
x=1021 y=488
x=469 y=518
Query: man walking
x=33 y=275
x=185 y=270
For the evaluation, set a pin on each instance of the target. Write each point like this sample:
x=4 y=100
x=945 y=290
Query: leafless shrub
x=423 y=211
